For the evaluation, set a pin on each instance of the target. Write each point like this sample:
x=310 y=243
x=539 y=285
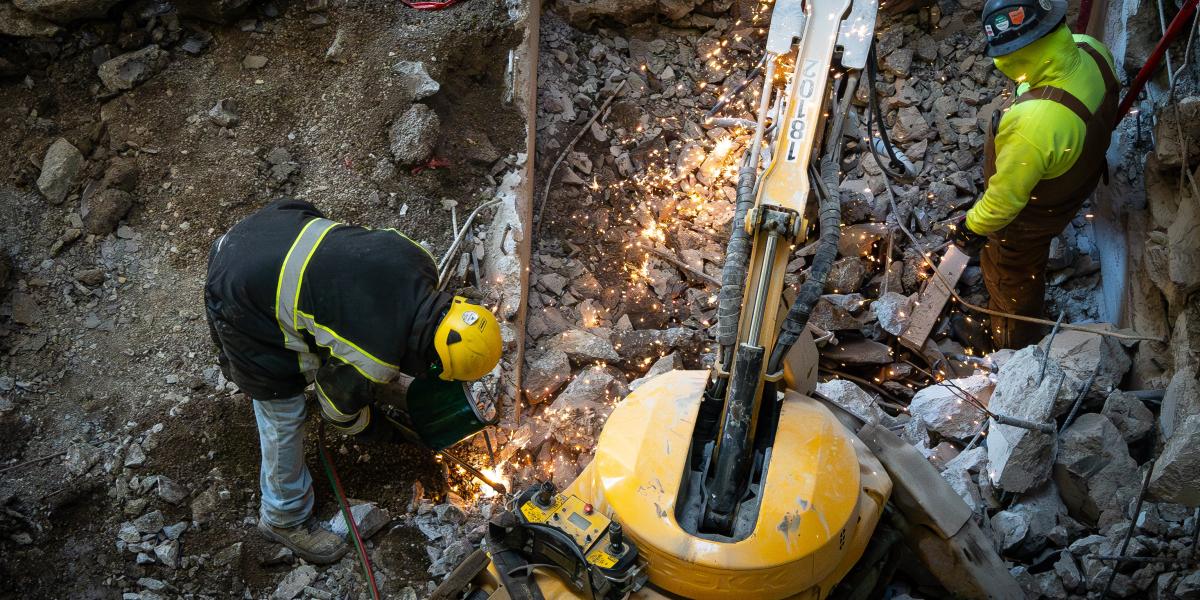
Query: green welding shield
x=444 y=413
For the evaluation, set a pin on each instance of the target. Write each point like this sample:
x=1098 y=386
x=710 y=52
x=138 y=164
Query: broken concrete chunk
x=151 y=522
x=943 y=409
x=254 y=61
x=1174 y=477
x=1129 y=414
x=1079 y=353
x=106 y=210
x=594 y=388
x=853 y=399
x=60 y=167
x=1021 y=458
x=893 y=311
x=170 y=491
x=545 y=374
x=415 y=82
x=1093 y=469
x=584 y=347
x=224 y=113
x=128 y=70
x=846 y=275
x=368 y=517
x=294 y=582
x=1180 y=401
x=414 y=134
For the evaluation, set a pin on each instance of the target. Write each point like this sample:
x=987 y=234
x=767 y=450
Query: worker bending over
x=295 y=299
x=1043 y=159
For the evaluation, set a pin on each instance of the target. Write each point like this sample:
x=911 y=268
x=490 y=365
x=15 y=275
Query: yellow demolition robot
x=729 y=483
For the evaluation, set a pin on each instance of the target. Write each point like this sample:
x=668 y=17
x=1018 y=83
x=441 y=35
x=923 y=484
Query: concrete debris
x=1174 y=476
x=1021 y=458
x=846 y=275
x=1093 y=470
x=151 y=522
x=943 y=409
x=893 y=311
x=106 y=210
x=224 y=113
x=135 y=456
x=1180 y=401
x=170 y=491
x=545 y=374
x=65 y=11
x=60 y=167
x=254 y=62
x=853 y=399
x=592 y=389
x=414 y=134
x=294 y=582
x=835 y=312
x=1129 y=414
x=131 y=69
x=1079 y=353
x=583 y=347
x=368 y=517
x=414 y=81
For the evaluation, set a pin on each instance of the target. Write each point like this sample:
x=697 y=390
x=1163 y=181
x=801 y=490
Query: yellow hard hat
x=467 y=341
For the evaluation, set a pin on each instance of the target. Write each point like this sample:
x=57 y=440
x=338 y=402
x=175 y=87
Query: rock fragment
x=545 y=374
x=60 y=167
x=127 y=71
x=24 y=25
x=853 y=399
x=414 y=134
x=1094 y=471
x=224 y=113
x=1079 y=353
x=1174 y=477
x=368 y=517
x=1021 y=458
x=893 y=311
x=944 y=410
x=414 y=81
x=294 y=582
x=1129 y=414
x=106 y=210
x=254 y=61
x=584 y=347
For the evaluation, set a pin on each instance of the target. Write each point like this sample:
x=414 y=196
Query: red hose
x=1085 y=14
x=336 y=484
x=1177 y=26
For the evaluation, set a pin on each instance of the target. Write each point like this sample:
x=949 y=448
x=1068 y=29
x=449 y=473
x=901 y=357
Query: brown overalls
x=1014 y=260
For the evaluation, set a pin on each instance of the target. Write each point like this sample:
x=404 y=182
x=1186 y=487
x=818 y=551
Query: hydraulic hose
x=830 y=217
x=895 y=167
x=737 y=255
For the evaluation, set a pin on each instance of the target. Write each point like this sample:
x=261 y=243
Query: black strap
x=1061 y=96
x=1111 y=85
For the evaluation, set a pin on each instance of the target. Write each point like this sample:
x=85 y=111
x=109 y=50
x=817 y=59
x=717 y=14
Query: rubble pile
x=624 y=282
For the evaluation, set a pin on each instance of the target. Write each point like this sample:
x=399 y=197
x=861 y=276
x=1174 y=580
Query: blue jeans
x=283 y=477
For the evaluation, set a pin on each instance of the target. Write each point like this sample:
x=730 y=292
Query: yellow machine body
x=820 y=504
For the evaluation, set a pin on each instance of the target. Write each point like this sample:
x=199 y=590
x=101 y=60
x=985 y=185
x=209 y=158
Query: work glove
x=968 y=241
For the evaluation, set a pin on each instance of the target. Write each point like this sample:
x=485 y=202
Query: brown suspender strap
x=1060 y=96
x=1110 y=80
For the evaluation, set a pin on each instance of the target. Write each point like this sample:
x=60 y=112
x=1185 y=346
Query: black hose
x=830 y=217
x=737 y=262
x=895 y=166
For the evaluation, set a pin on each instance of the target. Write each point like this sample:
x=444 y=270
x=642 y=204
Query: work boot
x=309 y=540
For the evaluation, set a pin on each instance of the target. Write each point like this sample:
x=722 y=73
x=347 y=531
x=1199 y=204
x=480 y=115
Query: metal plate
x=787 y=24
x=857 y=33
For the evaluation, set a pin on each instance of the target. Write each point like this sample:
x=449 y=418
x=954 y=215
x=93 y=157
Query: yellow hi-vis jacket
x=1038 y=139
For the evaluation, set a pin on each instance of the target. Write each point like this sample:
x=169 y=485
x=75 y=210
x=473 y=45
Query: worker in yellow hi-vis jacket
x=294 y=299
x=1044 y=154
